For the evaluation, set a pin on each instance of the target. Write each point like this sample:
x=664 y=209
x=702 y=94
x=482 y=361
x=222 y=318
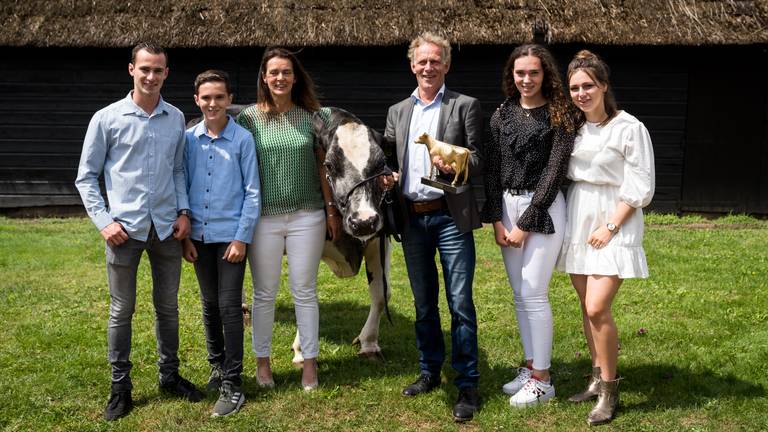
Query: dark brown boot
x=607 y=402
x=591 y=391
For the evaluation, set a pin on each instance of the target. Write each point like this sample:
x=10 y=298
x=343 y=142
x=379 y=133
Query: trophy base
x=445 y=186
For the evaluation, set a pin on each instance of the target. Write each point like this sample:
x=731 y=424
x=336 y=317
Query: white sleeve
x=639 y=172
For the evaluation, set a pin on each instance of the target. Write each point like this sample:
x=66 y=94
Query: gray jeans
x=122 y=265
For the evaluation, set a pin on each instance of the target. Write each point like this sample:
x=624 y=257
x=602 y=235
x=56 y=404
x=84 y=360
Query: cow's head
x=353 y=162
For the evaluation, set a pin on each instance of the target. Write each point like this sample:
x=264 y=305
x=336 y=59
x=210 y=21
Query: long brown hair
x=560 y=112
x=588 y=62
x=303 y=91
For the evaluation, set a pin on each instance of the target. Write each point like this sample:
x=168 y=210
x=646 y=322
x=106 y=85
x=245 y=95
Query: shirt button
x=209 y=173
x=206 y=190
x=210 y=157
x=205 y=223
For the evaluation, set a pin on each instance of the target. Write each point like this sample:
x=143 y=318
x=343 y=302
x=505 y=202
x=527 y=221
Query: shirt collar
x=130 y=107
x=438 y=98
x=228 y=133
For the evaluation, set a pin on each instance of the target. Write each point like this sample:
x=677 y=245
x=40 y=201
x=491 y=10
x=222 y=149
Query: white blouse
x=618 y=154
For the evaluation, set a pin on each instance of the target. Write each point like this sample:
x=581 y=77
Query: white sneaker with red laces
x=533 y=392
x=514 y=386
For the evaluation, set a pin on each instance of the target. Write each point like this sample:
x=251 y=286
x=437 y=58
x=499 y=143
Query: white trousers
x=529 y=270
x=301 y=236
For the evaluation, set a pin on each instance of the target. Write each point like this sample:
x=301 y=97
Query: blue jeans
x=221 y=295
x=425 y=234
x=122 y=266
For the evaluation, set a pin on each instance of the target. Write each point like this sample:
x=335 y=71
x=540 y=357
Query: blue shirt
x=423 y=120
x=142 y=158
x=223 y=183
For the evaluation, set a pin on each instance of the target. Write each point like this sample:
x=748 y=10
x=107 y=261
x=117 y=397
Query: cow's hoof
x=374 y=356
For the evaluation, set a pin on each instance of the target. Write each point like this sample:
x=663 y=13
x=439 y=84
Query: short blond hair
x=429 y=37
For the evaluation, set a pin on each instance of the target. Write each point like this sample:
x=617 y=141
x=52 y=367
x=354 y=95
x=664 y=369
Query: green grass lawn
x=699 y=365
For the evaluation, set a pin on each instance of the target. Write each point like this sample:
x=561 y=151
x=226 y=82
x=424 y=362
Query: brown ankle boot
x=591 y=391
x=607 y=402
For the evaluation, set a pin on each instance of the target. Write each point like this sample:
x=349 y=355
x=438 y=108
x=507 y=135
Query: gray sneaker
x=214 y=381
x=230 y=400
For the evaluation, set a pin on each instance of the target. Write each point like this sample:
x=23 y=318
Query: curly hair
x=560 y=110
x=589 y=63
x=303 y=92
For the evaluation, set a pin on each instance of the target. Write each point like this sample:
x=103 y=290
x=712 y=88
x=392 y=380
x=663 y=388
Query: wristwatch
x=612 y=227
x=184 y=212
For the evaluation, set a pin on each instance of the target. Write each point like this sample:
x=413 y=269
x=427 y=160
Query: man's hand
x=235 y=252
x=188 y=250
x=114 y=234
x=438 y=162
x=387 y=182
x=516 y=237
x=181 y=227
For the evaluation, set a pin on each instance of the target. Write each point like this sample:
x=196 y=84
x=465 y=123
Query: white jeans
x=529 y=270
x=301 y=236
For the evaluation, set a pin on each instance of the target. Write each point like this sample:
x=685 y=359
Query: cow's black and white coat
x=353 y=160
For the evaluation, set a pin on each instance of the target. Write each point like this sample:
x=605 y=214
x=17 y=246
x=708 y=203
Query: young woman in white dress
x=613 y=179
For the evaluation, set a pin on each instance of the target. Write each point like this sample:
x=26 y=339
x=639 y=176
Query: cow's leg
x=369 y=335
x=298 y=358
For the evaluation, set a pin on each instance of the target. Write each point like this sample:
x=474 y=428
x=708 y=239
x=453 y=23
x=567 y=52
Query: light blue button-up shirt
x=223 y=183
x=142 y=158
x=423 y=120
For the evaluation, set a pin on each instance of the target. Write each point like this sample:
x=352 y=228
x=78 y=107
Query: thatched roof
x=195 y=23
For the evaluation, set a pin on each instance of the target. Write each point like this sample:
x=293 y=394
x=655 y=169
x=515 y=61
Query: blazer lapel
x=403 y=124
x=446 y=108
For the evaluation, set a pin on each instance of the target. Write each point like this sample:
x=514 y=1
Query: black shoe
x=119 y=405
x=425 y=383
x=467 y=404
x=178 y=386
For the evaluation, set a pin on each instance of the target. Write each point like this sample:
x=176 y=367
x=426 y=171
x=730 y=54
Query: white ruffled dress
x=609 y=164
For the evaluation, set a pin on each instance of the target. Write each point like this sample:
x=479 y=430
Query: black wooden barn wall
x=709 y=133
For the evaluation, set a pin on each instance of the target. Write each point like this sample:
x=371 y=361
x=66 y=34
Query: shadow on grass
x=341 y=322
x=662 y=386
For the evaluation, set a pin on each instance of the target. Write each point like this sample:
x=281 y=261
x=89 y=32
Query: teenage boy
x=223 y=189
x=138 y=144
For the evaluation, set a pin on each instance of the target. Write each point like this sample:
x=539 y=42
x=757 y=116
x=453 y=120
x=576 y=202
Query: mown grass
x=698 y=365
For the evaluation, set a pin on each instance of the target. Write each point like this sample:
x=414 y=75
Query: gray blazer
x=461 y=123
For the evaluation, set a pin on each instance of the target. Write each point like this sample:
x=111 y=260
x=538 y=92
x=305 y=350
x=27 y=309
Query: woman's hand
x=600 y=237
x=188 y=250
x=516 y=237
x=333 y=223
x=235 y=252
x=500 y=233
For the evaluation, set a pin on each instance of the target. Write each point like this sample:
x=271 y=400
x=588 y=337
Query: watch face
x=611 y=227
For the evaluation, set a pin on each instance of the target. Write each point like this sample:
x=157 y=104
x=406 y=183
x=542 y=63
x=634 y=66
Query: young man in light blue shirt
x=138 y=144
x=223 y=187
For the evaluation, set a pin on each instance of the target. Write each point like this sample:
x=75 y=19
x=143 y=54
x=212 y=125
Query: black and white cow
x=353 y=161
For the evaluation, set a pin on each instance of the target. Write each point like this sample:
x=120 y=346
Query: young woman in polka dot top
x=531 y=141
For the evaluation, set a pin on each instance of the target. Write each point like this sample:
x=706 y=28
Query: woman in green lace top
x=295 y=199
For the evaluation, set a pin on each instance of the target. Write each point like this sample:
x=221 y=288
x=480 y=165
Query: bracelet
x=332 y=215
x=330 y=204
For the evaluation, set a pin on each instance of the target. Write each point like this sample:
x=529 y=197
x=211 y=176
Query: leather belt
x=426 y=206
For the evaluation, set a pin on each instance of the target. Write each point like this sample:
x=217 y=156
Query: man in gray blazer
x=437 y=221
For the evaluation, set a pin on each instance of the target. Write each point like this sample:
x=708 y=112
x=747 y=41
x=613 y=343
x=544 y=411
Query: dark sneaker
x=425 y=383
x=214 y=381
x=178 y=386
x=467 y=404
x=230 y=400
x=119 y=405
